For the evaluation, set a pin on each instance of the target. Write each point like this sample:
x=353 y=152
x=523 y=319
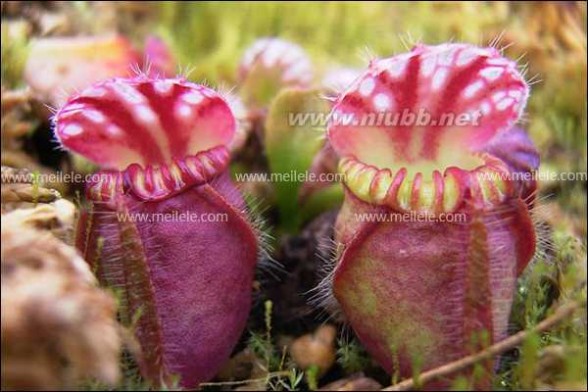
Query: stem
x=559 y=315
x=241 y=382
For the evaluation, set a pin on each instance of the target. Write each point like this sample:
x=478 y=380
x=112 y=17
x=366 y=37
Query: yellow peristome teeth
x=485 y=186
x=500 y=185
x=193 y=168
x=105 y=187
x=451 y=193
x=381 y=185
x=360 y=183
x=158 y=179
x=176 y=174
x=110 y=187
x=426 y=196
x=439 y=194
x=139 y=182
x=359 y=178
x=404 y=194
x=350 y=169
x=345 y=164
x=492 y=186
x=207 y=163
x=94 y=191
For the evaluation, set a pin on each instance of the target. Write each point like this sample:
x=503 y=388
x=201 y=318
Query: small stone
x=316 y=349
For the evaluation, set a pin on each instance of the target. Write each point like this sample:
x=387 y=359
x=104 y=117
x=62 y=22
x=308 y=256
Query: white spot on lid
x=380 y=65
x=397 y=67
x=516 y=94
x=193 y=97
x=382 y=102
x=504 y=104
x=72 y=130
x=184 y=110
x=472 y=89
x=439 y=78
x=367 y=86
x=465 y=57
x=428 y=65
x=491 y=73
x=498 y=61
x=94 y=92
x=113 y=130
x=497 y=96
x=446 y=57
x=128 y=93
x=163 y=86
x=145 y=114
x=95 y=116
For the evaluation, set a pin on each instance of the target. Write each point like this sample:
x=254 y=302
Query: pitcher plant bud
x=269 y=65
